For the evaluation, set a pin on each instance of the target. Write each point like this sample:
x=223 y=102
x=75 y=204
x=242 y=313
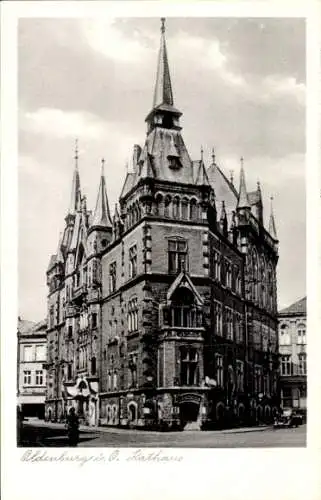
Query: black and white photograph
x=162 y=232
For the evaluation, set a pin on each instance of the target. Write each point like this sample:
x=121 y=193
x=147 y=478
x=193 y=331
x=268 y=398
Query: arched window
x=193 y=209
x=184 y=206
x=270 y=288
x=263 y=281
x=176 y=208
x=285 y=338
x=132 y=412
x=159 y=205
x=167 y=206
x=115 y=380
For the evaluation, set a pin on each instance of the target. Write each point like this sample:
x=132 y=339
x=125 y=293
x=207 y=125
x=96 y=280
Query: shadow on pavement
x=48 y=437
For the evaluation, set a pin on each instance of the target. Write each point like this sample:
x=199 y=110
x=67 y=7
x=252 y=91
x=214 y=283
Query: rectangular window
x=133 y=261
x=94 y=320
x=133 y=315
x=189 y=366
x=302 y=364
x=132 y=365
x=40 y=353
x=257 y=379
x=286 y=365
x=218 y=318
x=238 y=328
x=27 y=377
x=240 y=375
x=217 y=266
x=228 y=274
x=27 y=353
x=115 y=378
x=177 y=256
x=301 y=339
x=229 y=323
x=112 y=277
x=39 y=377
x=219 y=370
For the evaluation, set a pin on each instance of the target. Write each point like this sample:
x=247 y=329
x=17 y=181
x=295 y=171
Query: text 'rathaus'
x=165 y=315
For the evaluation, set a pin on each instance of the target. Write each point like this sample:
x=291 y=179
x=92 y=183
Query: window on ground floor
x=189 y=366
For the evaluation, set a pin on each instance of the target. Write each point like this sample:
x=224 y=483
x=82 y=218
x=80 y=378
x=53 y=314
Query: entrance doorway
x=189 y=412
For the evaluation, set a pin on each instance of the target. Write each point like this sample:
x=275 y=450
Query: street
x=37 y=433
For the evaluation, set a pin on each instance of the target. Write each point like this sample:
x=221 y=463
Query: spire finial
x=163 y=93
x=76 y=153
x=272 y=227
x=213 y=156
x=202 y=153
x=243 y=200
x=102 y=167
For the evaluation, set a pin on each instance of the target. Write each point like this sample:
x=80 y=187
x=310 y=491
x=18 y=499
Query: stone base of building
x=180 y=409
x=167 y=410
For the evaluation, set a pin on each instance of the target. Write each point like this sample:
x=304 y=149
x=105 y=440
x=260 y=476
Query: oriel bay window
x=177 y=256
x=189 y=365
x=183 y=312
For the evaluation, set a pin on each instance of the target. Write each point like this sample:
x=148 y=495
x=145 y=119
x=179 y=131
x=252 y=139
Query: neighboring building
x=31 y=374
x=165 y=314
x=293 y=355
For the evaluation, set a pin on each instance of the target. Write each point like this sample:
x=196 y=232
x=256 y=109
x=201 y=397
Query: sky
x=240 y=84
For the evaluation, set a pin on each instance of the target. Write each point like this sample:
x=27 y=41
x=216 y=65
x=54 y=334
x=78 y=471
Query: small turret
x=101 y=217
x=101 y=228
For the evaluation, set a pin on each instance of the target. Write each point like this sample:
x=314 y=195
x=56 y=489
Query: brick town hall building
x=164 y=315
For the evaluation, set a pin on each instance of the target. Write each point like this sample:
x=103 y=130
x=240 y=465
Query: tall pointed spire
x=75 y=188
x=243 y=200
x=272 y=227
x=163 y=93
x=101 y=216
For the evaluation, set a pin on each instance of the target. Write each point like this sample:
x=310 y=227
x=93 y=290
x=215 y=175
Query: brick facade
x=164 y=316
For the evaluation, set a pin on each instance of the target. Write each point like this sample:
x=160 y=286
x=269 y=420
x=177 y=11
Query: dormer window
x=174 y=163
x=158 y=120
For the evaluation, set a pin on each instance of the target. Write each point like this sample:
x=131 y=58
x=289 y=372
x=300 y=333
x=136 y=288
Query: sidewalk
x=118 y=430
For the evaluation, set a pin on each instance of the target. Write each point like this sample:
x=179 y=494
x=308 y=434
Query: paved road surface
x=37 y=434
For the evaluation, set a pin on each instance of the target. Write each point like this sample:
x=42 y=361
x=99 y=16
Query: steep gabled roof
x=200 y=175
x=101 y=216
x=297 y=308
x=183 y=279
x=223 y=188
x=25 y=326
x=128 y=184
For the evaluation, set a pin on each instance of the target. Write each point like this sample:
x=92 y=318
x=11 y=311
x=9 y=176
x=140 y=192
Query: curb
x=118 y=430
